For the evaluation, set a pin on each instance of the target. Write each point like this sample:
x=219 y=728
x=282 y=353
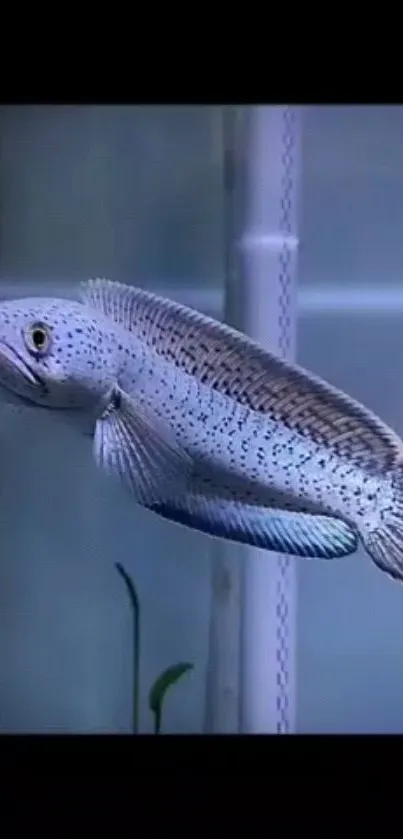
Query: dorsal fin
x=233 y=364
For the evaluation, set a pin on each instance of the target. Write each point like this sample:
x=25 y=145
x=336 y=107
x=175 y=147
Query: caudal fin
x=384 y=543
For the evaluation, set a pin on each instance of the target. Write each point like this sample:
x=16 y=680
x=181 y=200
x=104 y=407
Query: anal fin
x=282 y=531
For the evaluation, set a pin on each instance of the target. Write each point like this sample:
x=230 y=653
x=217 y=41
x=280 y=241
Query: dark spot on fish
x=116 y=399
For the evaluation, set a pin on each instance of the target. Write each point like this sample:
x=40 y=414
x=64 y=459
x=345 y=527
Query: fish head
x=55 y=353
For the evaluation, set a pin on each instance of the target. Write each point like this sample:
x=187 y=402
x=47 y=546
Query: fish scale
x=221 y=433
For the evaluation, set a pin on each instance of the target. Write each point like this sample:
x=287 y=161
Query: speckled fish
x=208 y=429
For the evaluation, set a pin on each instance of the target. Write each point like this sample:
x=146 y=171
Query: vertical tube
x=251 y=669
x=224 y=643
x=265 y=295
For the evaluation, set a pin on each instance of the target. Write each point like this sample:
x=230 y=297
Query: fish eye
x=37 y=338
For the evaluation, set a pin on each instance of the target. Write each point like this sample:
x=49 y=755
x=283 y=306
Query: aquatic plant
x=164 y=681
x=159 y=688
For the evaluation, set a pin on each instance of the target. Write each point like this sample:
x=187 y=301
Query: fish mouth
x=15 y=363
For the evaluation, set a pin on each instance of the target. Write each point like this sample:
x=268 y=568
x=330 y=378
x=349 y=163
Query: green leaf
x=158 y=690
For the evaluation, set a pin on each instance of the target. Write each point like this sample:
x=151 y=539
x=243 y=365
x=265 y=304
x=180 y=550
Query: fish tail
x=384 y=543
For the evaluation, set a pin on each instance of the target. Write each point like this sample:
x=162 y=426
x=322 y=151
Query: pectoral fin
x=134 y=445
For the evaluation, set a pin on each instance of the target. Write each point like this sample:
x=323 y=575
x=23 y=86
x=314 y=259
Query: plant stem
x=157 y=721
x=135 y=603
